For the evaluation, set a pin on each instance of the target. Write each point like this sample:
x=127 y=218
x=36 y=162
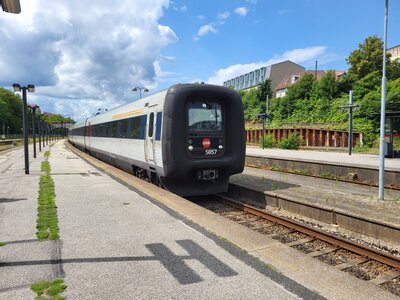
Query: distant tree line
x=312 y=101
x=11 y=113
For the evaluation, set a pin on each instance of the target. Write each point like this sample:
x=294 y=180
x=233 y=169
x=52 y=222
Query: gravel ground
x=374 y=243
x=337 y=257
x=392 y=286
x=312 y=246
x=290 y=237
x=368 y=270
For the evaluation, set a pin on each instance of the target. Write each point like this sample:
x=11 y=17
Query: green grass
x=45 y=167
x=47 y=154
x=47 y=221
x=2 y=244
x=49 y=290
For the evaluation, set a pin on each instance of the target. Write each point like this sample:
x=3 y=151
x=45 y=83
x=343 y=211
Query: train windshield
x=204 y=116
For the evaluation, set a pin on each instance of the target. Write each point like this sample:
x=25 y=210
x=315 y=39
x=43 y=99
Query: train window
x=135 y=128
x=113 y=129
x=151 y=125
x=204 y=116
x=123 y=130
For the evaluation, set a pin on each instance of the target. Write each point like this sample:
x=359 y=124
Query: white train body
x=152 y=138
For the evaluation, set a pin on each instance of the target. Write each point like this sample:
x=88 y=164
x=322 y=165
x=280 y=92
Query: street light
x=136 y=88
x=11 y=6
x=34 y=109
x=31 y=89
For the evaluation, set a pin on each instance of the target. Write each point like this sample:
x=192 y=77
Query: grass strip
x=2 y=244
x=49 y=290
x=47 y=154
x=47 y=220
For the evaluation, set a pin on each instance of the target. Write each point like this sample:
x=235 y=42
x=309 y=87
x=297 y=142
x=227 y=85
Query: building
x=395 y=51
x=288 y=80
x=275 y=73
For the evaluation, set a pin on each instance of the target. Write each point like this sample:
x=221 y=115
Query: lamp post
x=136 y=88
x=39 y=132
x=34 y=108
x=31 y=89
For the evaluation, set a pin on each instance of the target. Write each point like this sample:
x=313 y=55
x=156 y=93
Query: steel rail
x=371 y=253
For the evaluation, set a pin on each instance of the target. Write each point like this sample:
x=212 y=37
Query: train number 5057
x=211 y=151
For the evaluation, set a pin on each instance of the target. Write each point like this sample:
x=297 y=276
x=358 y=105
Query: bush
x=292 y=141
x=269 y=141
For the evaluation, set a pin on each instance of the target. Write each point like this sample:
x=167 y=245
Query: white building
x=275 y=73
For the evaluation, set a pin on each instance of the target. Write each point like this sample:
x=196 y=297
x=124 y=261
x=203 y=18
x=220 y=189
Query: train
x=188 y=139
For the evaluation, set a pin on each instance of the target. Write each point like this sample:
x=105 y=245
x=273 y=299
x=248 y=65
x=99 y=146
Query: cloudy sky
x=84 y=55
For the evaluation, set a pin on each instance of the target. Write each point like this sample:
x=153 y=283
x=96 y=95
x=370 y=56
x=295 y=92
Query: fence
x=309 y=137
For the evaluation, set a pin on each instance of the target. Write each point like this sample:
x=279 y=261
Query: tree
x=302 y=88
x=368 y=58
x=10 y=110
x=264 y=90
x=327 y=87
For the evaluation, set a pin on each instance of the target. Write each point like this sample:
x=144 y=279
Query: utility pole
x=383 y=112
x=350 y=108
x=266 y=108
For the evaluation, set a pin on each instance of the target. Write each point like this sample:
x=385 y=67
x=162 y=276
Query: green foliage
x=269 y=141
x=10 y=110
x=327 y=87
x=56 y=119
x=254 y=100
x=47 y=221
x=2 y=244
x=292 y=142
x=367 y=58
x=49 y=290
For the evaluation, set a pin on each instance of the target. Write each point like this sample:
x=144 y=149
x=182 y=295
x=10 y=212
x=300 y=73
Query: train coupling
x=207 y=174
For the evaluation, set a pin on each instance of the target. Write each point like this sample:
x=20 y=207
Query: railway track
x=378 y=267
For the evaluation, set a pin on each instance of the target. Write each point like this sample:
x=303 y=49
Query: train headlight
x=190 y=148
x=220 y=147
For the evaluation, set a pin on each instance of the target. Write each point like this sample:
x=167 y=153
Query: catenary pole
x=383 y=113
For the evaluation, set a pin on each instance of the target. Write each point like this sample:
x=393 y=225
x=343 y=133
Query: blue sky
x=83 y=55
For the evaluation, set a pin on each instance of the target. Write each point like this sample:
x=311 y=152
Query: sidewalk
x=116 y=244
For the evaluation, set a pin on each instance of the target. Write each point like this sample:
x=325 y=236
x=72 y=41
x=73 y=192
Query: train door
x=150 y=133
x=86 y=134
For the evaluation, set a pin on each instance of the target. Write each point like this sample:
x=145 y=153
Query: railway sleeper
x=386 y=276
x=326 y=250
x=352 y=263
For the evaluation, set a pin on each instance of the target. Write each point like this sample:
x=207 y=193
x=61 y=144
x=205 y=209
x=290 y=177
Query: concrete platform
x=122 y=238
x=365 y=166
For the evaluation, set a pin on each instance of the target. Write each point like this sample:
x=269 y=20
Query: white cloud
x=83 y=53
x=206 y=29
x=299 y=56
x=182 y=8
x=241 y=11
x=223 y=16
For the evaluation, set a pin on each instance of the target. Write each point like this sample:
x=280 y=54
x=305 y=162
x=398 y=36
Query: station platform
x=362 y=167
x=336 y=158
x=123 y=238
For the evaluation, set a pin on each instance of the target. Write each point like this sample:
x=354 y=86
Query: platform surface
x=115 y=243
x=335 y=158
x=123 y=238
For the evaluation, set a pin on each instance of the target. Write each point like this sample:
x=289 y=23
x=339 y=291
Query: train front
x=203 y=139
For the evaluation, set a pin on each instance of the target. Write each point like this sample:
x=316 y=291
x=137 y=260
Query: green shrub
x=269 y=141
x=292 y=141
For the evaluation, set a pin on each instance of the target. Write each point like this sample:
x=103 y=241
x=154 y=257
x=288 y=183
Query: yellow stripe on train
x=128 y=114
